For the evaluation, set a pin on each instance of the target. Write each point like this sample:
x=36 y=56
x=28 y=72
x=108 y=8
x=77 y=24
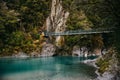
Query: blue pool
x=45 y=68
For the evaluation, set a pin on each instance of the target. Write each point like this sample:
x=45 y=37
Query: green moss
x=103 y=65
x=104 y=62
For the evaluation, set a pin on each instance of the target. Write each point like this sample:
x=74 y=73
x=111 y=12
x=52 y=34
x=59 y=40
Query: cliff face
x=56 y=21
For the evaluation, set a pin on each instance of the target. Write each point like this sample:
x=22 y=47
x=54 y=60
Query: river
x=46 y=68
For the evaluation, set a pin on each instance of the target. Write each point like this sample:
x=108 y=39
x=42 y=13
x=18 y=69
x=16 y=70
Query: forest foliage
x=21 y=21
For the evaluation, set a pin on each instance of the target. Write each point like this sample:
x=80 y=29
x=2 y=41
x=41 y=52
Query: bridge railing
x=80 y=31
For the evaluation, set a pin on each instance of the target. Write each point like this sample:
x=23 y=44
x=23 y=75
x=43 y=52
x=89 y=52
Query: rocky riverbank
x=86 y=51
x=111 y=74
x=47 y=50
x=108 y=67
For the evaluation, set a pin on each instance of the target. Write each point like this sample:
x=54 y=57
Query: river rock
x=76 y=51
x=84 y=51
x=34 y=54
x=97 y=51
x=21 y=54
x=113 y=71
x=48 y=50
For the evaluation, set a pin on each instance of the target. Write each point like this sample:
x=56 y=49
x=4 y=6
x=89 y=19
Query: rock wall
x=86 y=51
x=56 y=22
x=48 y=50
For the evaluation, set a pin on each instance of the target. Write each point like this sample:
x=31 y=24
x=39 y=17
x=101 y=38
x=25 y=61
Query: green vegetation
x=21 y=21
x=103 y=64
x=107 y=61
x=91 y=14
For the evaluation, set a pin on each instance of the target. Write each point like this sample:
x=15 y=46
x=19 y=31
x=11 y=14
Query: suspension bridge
x=77 y=32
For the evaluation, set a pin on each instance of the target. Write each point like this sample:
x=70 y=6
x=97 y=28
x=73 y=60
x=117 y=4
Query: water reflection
x=47 y=68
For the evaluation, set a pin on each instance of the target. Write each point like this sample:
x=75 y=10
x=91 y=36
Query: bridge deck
x=76 y=32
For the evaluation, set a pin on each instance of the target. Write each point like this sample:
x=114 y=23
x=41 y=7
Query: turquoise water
x=45 y=68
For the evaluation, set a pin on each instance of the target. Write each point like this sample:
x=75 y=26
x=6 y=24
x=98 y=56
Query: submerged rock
x=105 y=76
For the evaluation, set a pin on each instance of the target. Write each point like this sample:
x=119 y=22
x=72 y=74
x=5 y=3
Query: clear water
x=45 y=68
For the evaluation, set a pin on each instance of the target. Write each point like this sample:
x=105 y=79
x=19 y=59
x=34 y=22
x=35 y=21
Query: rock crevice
x=56 y=22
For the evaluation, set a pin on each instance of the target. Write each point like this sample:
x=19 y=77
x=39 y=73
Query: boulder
x=21 y=54
x=76 y=51
x=48 y=50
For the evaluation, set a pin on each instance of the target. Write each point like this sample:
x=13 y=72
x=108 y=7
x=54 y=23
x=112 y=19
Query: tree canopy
x=21 y=20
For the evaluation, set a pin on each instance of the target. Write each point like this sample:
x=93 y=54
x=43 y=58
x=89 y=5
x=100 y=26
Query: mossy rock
x=104 y=62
